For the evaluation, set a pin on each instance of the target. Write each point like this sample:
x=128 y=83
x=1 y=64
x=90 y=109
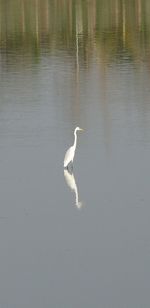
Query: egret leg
x=70 y=167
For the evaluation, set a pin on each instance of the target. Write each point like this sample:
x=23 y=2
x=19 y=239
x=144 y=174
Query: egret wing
x=68 y=156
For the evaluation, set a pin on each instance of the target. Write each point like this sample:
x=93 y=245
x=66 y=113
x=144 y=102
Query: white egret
x=69 y=156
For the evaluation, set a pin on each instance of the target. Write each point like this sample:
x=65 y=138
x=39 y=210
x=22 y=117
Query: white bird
x=69 y=156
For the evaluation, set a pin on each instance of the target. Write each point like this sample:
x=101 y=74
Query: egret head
x=78 y=128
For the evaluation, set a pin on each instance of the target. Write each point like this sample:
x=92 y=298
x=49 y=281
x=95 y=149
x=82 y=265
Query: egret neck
x=75 y=140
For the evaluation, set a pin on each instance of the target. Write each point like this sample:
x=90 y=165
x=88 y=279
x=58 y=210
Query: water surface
x=80 y=240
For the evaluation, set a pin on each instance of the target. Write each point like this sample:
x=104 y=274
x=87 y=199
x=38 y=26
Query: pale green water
x=62 y=64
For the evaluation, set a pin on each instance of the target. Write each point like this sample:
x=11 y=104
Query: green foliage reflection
x=108 y=27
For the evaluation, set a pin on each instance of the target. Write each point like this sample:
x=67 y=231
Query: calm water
x=80 y=240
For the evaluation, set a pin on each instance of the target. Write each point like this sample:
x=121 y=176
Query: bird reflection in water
x=70 y=180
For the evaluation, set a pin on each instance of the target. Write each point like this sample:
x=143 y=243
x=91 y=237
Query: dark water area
x=81 y=239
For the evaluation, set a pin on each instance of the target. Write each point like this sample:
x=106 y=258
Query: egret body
x=69 y=156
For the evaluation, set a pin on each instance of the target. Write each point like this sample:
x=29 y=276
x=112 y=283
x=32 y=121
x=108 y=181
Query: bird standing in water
x=69 y=156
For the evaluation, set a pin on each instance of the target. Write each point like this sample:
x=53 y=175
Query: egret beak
x=81 y=129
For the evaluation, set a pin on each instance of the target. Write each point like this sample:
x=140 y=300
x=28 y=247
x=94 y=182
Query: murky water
x=81 y=239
